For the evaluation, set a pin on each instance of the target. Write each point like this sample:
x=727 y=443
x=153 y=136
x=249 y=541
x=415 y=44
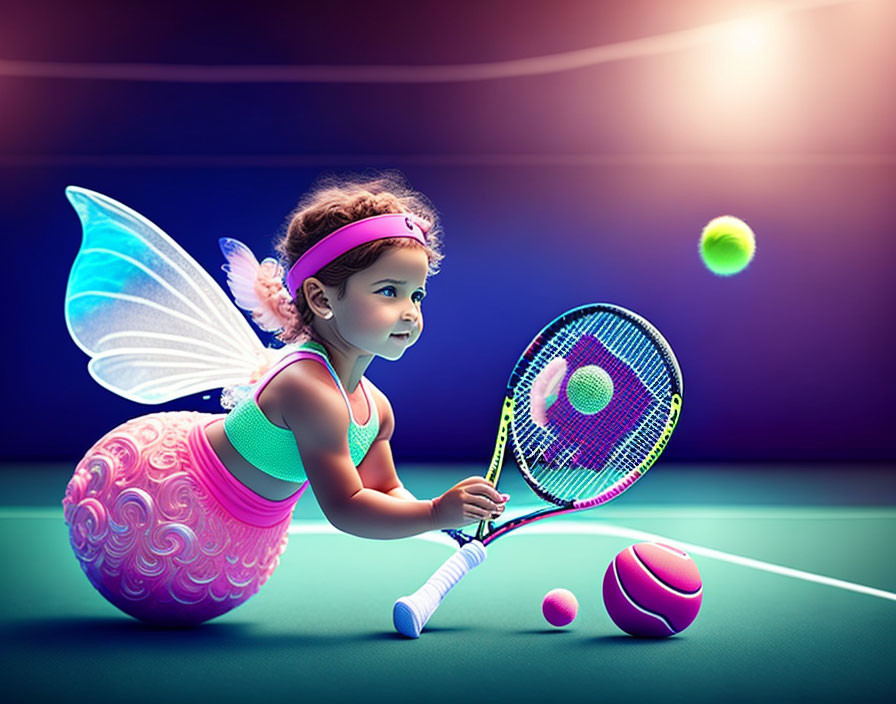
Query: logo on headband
x=414 y=223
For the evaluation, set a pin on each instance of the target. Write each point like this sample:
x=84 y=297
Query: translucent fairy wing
x=242 y=270
x=155 y=324
x=243 y=280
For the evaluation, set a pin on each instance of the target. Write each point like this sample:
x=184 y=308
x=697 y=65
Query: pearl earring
x=328 y=315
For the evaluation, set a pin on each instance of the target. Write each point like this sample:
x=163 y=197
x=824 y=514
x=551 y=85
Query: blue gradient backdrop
x=554 y=190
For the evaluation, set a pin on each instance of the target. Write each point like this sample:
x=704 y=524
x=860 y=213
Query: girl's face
x=380 y=312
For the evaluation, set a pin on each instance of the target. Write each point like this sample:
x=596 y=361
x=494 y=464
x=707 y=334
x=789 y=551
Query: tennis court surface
x=799 y=603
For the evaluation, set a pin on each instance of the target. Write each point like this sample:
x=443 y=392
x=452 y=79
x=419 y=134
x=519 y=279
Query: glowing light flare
x=734 y=84
x=750 y=36
x=747 y=53
x=669 y=42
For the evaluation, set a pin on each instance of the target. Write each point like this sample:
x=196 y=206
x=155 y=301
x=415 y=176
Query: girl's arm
x=401 y=493
x=320 y=421
x=377 y=469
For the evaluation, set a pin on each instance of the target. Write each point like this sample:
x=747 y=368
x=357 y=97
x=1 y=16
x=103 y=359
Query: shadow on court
x=98 y=634
x=624 y=641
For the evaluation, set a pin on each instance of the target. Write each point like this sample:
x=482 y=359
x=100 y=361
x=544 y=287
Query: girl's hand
x=472 y=500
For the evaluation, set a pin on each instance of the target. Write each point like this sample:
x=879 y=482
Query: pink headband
x=353 y=235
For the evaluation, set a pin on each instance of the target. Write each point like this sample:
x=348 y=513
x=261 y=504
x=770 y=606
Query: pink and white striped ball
x=652 y=590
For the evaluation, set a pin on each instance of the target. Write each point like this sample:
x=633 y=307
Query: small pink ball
x=560 y=607
x=652 y=590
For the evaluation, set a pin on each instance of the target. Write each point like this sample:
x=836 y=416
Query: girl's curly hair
x=333 y=202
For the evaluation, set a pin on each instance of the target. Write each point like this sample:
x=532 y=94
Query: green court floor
x=799 y=604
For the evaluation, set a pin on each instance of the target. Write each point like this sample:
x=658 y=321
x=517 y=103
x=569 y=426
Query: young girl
x=179 y=517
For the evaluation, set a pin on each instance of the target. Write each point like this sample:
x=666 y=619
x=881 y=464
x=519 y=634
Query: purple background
x=555 y=189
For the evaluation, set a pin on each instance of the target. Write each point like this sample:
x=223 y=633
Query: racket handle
x=410 y=613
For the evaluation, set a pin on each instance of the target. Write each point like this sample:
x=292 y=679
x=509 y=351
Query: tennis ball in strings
x=589 y=389
x=652 y=590
x=560 y=607
x=727 y=245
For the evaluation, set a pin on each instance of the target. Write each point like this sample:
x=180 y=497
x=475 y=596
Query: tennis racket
x=589 y=407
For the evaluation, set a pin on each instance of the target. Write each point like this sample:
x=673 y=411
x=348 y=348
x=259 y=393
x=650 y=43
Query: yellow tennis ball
x=727 y=245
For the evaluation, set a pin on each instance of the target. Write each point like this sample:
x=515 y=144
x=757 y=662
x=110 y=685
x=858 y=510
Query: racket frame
x=487 y=531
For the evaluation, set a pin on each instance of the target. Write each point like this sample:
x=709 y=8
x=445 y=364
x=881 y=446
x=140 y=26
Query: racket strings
x=632 y=452
x=585 y=479
x=571 y=476
x=574 y=471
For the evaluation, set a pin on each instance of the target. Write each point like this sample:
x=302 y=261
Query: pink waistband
x=236 y=498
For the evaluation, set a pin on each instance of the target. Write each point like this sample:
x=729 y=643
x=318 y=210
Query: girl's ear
x=316 y=298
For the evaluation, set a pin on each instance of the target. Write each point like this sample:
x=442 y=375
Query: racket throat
x=485 y=527
x=494 y=467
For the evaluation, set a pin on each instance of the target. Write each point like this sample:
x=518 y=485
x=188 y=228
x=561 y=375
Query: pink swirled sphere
x=152 y=538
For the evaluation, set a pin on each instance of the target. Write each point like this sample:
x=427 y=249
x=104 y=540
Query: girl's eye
x=391 y=292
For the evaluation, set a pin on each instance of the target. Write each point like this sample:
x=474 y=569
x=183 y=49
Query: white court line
x=617 y=531
x=17 y=512
x=311 y=528
x=570 y=528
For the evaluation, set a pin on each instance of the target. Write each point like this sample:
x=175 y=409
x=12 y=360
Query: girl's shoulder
x=304 y=389
x=307 y=377
x=305 y=380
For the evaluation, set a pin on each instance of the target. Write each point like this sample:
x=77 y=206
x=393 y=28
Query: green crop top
x=273 y=449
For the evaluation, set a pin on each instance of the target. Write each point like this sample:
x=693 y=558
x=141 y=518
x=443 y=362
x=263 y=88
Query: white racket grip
x=410 y=613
